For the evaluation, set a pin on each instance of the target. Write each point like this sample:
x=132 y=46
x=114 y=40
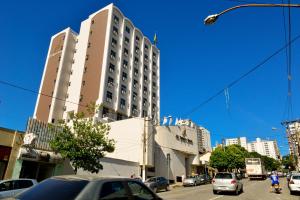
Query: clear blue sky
x=196 y=60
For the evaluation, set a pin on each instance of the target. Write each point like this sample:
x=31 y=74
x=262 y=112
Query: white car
x=294 y=183
x=9 y=188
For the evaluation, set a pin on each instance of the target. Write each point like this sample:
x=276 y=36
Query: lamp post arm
x=258 y=5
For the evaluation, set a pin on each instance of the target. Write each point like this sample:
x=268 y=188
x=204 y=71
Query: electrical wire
x=234 y=82
x=35 y=92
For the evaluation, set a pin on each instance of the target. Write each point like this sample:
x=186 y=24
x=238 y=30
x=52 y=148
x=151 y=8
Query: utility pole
x=146 y=121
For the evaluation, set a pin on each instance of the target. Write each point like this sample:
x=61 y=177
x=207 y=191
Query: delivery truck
x=255 y=169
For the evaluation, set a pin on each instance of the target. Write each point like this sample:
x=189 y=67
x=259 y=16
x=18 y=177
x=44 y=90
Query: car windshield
x=224 y=176
x=296 y=177
x=151 y=180
x=54 y=189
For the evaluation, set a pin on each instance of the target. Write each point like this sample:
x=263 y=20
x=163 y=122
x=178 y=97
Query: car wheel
x=215 y=191
x=168 y=188
x=195 y=184
x=292 y=192
x=236 y=192
x=155 y=189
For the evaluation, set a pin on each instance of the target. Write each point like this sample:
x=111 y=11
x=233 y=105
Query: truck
x=255 y=169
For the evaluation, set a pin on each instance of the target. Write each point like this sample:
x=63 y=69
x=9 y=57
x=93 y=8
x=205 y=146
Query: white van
x=9 y=188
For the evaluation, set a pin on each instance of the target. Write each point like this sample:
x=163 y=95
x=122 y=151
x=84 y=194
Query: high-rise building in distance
x=242 y=141
x=110 y=63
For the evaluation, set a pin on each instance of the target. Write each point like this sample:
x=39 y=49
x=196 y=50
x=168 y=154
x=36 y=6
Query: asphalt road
x=253 y=190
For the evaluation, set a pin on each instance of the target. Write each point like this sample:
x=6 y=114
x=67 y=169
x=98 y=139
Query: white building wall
x=264 y=147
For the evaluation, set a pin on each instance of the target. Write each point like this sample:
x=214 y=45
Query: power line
x=35 y=92
x=234 y=82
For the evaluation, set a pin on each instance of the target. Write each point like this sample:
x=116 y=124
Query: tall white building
x=242 y=141
x=205 y=139
x=110 y=63
x=264 y=147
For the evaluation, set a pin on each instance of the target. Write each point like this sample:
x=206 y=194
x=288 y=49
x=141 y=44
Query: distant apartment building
x=110 y=63
x=242 y=141
x=264 y=147
x=204 y=139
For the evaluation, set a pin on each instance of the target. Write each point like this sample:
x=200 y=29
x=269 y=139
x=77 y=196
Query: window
x=112 y=54
x=111 y=68
x=153 y=107
x=123 y=89
x=137 y=39
x=127 y=29
x=154 y=55
x=153 y=96
x=145 y=79
x=89 y=45
x=144 y=102
x=109 y=96
x=116 y=19
x=85 y=69
x=126 y=40
x=135 y=83
x=139 y=191
x=125 y=64
x=146 y=47
x=124 y=76
x=86 y=57
x=145 y=67
x=136 y=72
x=8 y=185
x=122 y=103
x=125 y=52
x=145 y=90
x=113 y=190
x=119 y=116
x=115 y=30
x=20 y=184
x=154 y=63
x=154 y=84
x=64 y=189
x=113 y=42
x=153 y=74
x=83 y=83
x=146 y=58
x=145 y=114
x=137 y=49
x=134 y=96
x=110 y=81
x=136 y=60
x=134 y=108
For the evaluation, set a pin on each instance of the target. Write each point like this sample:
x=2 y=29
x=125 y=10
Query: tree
x=83 y=141
x=218 y=159
x=235 y=155
x=288 y=162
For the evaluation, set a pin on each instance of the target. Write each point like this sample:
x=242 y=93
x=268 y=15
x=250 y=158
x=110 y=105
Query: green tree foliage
x=288 y=162
x=233 y=157
x=84 y=142
x=218 y=159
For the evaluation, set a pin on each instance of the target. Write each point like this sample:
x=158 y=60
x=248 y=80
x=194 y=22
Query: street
x=253 y=190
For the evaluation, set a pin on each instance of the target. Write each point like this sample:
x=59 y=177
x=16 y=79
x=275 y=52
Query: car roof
x=296 y=174
x=90 y=177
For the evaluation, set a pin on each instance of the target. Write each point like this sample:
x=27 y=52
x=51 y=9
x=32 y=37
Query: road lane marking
x=216 y=197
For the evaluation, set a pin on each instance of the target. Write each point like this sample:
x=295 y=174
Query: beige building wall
x=12 y=139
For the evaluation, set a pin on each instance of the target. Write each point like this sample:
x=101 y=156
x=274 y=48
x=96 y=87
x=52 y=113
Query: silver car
x=227 y=182
x=9 y=188
x=294 y=183
x=191 y=181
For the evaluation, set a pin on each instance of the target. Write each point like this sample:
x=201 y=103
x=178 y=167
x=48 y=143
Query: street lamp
x=211 y=19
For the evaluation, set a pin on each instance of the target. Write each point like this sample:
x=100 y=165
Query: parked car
x=157 y=183
x=192 y=181
x=288 y=177
x=75 y=187
x=205 y=179
x=9 y=188
x=294 y=183
x=229 y=182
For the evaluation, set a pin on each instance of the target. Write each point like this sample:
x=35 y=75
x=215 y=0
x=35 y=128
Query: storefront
x=10 y=142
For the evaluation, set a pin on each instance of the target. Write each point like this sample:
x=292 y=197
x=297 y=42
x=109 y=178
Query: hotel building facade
x=110 y=63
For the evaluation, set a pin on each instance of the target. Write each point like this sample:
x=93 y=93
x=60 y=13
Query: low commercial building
x=10 y=142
